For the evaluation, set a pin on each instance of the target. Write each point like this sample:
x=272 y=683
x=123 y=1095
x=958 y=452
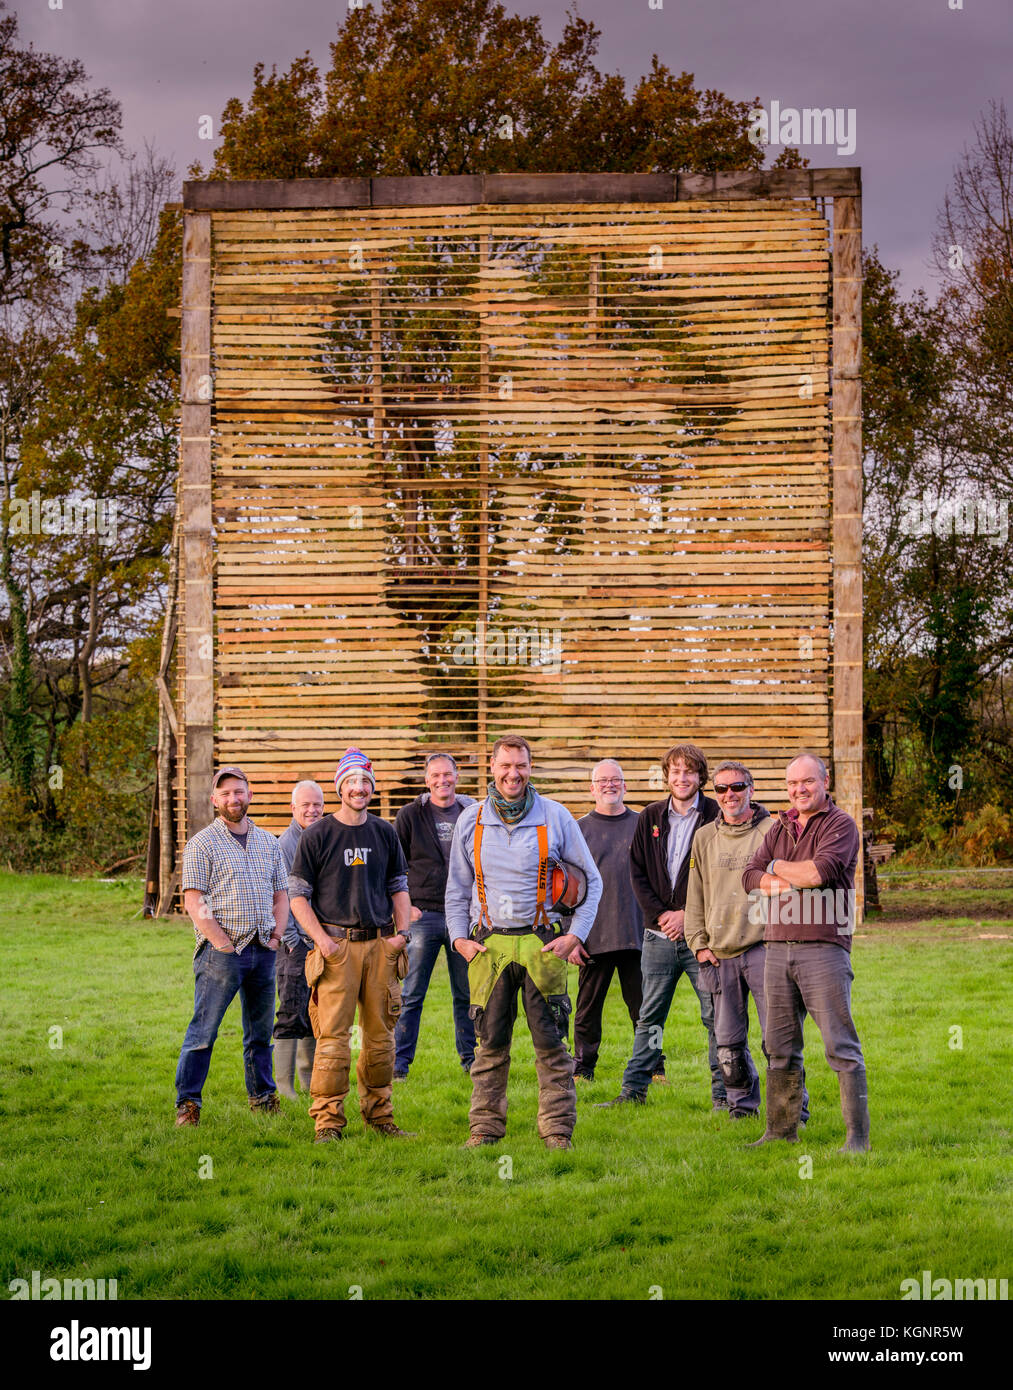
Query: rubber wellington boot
x=855 y=1109
x=304 y=1055
x=784 y=1106
x=284 y=1066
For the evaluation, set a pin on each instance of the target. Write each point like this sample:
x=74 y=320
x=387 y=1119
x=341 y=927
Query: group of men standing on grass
x=513 y=888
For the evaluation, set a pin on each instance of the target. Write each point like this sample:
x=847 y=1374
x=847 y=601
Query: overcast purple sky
x=916 y=73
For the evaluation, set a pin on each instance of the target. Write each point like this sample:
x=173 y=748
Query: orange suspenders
x=484 y=920
x=541 y=916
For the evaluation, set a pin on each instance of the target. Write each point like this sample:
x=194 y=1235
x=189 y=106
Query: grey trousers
x=813 y=977
x=739 y=977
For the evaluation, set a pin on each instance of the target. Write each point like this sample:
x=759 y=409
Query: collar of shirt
x=681 y=826
x=233 y=838
x=790 y=819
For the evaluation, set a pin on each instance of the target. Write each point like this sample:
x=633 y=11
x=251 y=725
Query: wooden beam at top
x=440 y=190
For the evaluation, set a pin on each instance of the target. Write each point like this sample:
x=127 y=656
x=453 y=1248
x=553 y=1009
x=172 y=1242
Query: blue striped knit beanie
x=353 y=761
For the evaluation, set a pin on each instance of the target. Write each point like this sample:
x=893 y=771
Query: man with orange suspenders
x=518 y=861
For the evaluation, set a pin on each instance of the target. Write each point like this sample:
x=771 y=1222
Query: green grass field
x=98 y=1183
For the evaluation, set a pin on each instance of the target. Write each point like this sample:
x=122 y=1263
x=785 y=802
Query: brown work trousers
x=494 y=1026
x=363 y=974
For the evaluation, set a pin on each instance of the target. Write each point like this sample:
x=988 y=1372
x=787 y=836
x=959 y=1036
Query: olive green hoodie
x=717 y=905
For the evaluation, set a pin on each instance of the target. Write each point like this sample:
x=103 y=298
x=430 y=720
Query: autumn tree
x=106 y=431
x=938 y=605
x=54 y=128
x=430 y=87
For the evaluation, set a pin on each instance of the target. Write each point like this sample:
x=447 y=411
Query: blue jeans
x=663 y=962
x=429 y=937
x=218 y=977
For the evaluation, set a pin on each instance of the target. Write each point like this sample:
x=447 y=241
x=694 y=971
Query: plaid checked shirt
x=238 y=884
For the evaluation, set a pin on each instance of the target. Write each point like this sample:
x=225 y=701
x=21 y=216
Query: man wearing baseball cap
x=348 y=880
x=234 y=888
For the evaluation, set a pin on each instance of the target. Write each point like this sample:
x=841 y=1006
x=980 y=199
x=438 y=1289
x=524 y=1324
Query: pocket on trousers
x=560 y=1008
x=316 y=962
x=393 y=1003
x=314 y=966
x=710 y=977
x=399 y=961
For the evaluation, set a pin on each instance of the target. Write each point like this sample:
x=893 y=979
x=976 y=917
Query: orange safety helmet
x=568 y=886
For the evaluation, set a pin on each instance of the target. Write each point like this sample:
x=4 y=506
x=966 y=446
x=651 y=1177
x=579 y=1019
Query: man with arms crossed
x=499 y=896
x=805 y=868
x=294 y=1043
x=725 y=933
x=425 y=828
x=348 y=878
x=659 y=866
x=616 y=939
x=233 y=883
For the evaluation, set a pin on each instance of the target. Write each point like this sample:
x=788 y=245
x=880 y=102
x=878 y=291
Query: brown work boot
x=558 y=1141
x=392 y=1131
x=187 y=1114
x=270 y=1105
x=326 y=1136
x=476 y=1141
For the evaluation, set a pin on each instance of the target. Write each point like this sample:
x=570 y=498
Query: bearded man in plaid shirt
x=234 y=885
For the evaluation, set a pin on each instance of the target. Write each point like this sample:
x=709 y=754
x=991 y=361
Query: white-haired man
x=294 y=1043
x=617 y=937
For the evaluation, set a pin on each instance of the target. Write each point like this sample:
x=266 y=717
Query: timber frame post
x=847 y=510
x=196 y=560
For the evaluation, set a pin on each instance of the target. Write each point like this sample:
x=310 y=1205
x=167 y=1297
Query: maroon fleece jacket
x=830 y=839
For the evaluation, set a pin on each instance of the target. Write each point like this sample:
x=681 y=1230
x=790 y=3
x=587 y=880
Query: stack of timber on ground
x=561 y=465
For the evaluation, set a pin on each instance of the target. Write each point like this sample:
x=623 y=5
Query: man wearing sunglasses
x=724 y=935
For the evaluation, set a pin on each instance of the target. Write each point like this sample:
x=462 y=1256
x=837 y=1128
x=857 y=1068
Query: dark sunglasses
x=722 y=787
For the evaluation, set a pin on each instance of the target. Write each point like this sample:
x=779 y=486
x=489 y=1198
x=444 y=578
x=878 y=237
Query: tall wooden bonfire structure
x=573 y=455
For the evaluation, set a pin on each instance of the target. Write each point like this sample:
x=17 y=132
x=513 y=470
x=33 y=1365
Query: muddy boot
x=284 y=1066
x=489 y=1073
x=855 y=1109
x=784 y=1106
x=304 y=1054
